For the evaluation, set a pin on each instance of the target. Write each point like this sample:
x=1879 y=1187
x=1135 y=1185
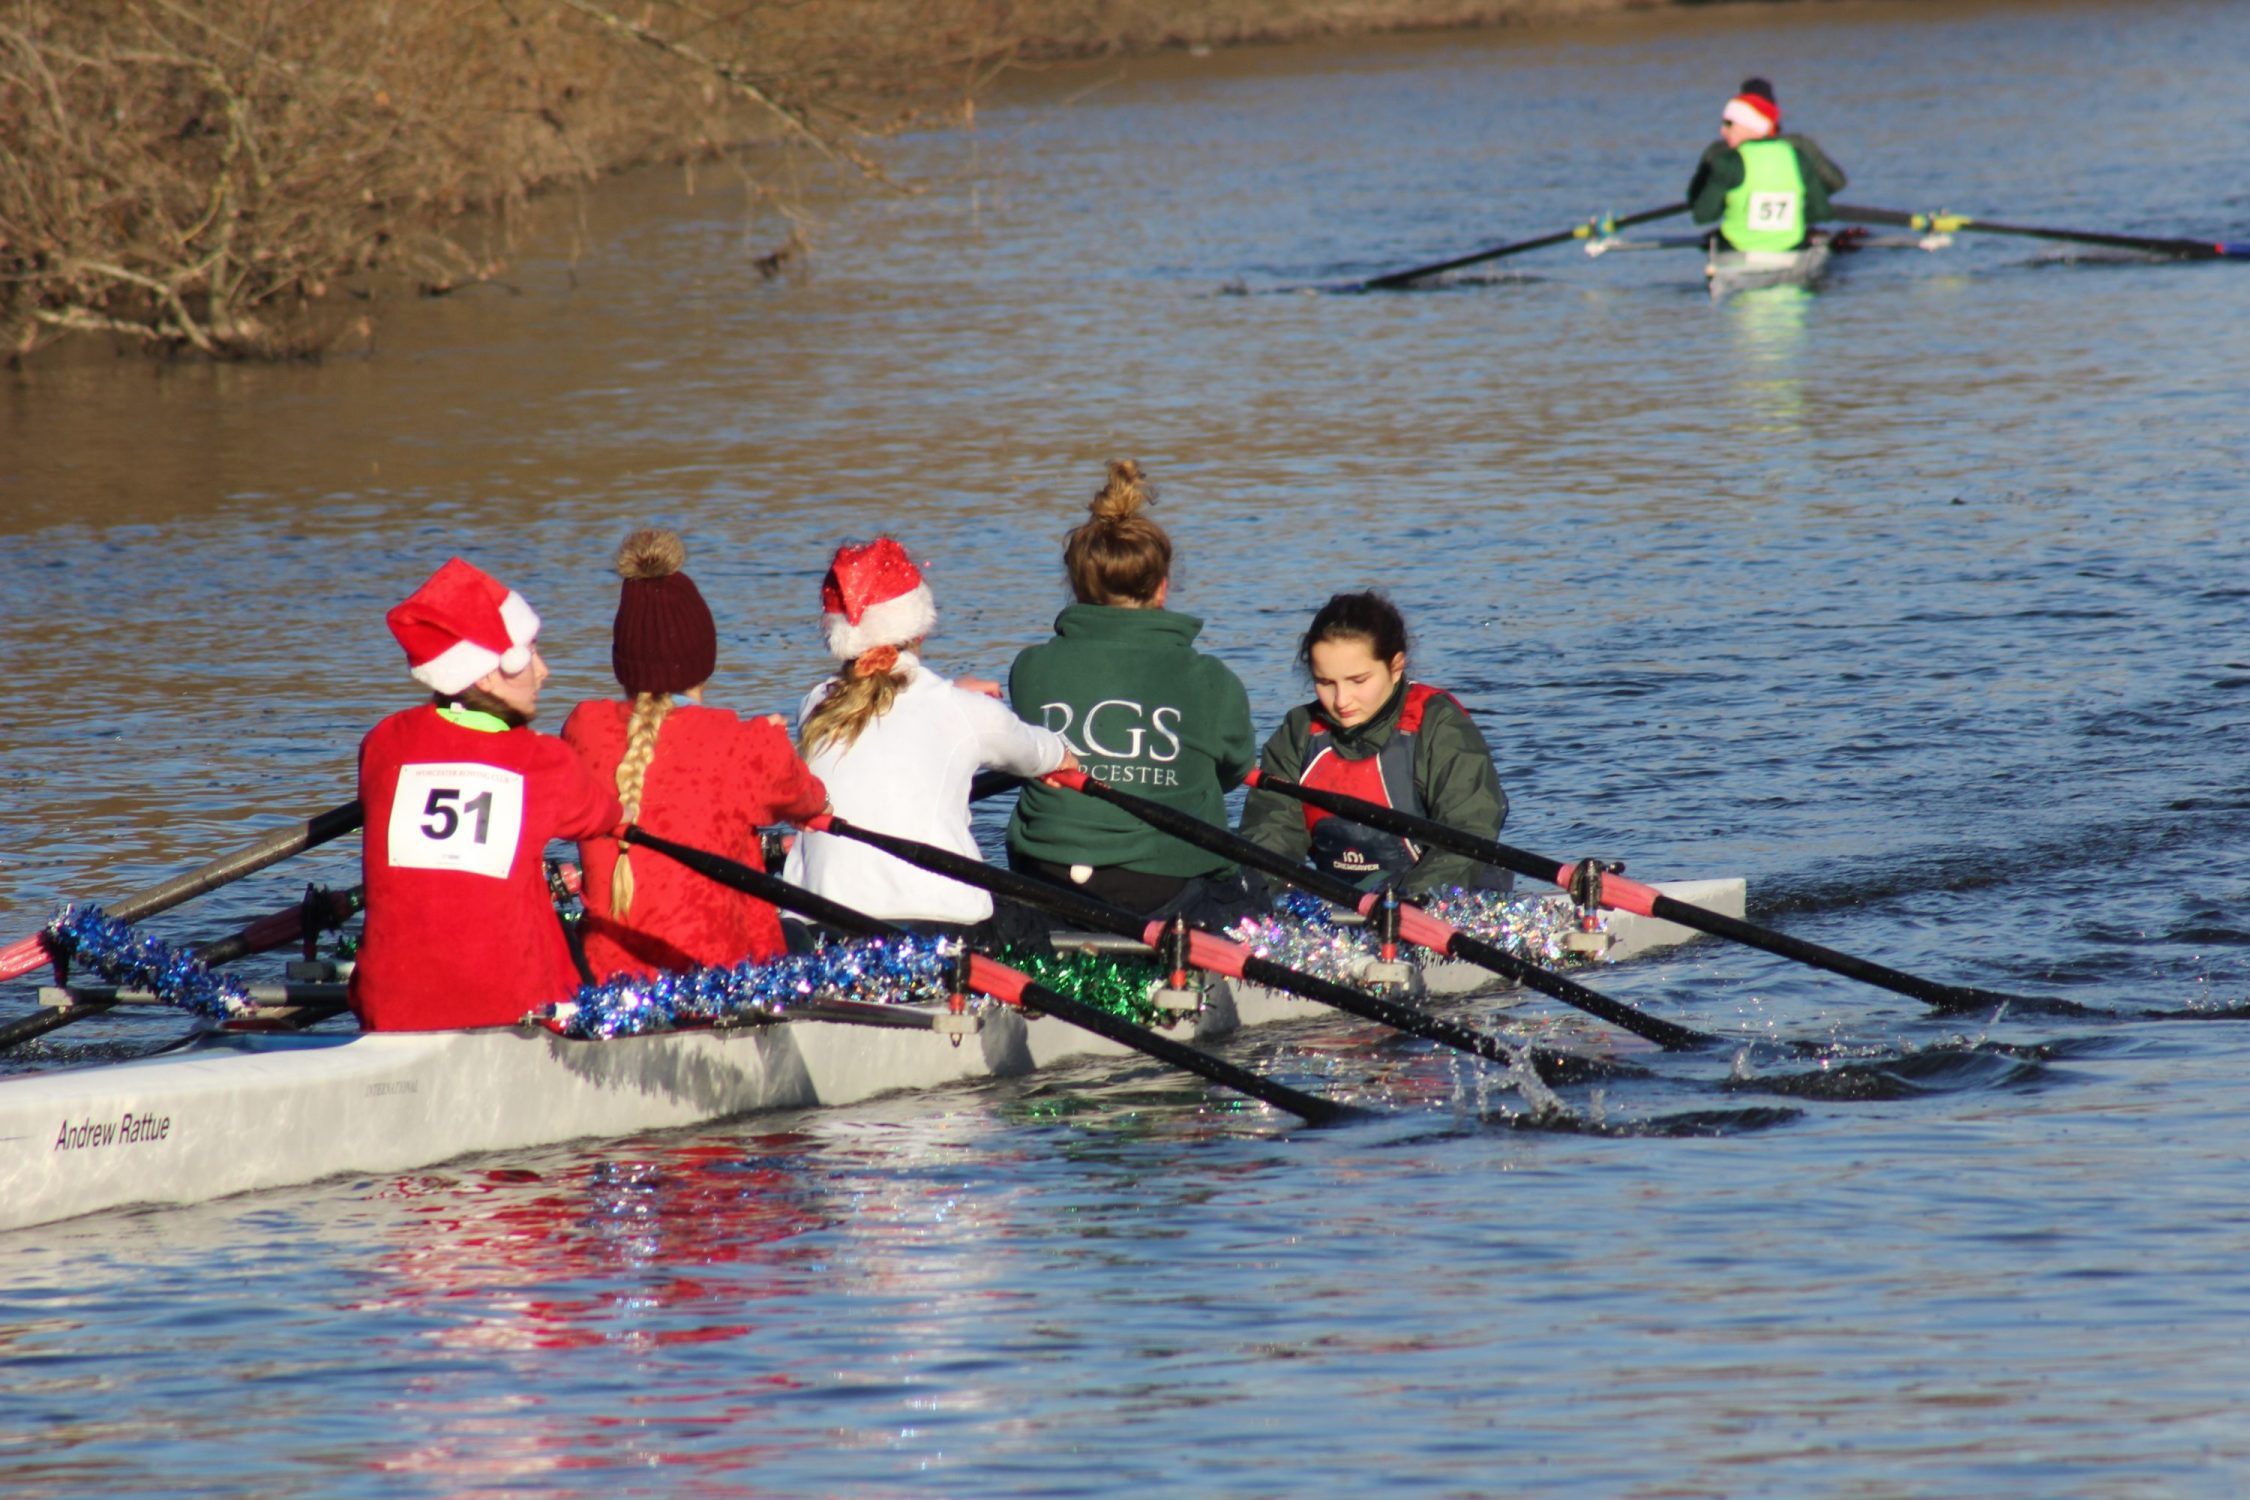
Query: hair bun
x=651 y=553
x=1124 y=493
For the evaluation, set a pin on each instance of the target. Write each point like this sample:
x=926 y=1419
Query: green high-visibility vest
x=1767 y=212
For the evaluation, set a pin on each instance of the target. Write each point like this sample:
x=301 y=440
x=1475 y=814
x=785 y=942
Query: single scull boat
x=1726 y=272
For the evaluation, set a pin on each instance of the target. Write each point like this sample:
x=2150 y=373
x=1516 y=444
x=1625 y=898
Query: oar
x=267 y=933
x=20 y=958
x=1205 y=950
x=999 y=981
x=1615 y=890
x=1954 y=223
x=1599 y=247
x=1415 y=925
x=1591 y=229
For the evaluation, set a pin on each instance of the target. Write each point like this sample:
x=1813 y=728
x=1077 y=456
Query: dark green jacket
x=1818 y=168
x=1143 y=711
x=1453 y=776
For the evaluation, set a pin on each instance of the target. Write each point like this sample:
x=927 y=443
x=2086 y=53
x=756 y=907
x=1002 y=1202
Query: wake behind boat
x=232 y=1111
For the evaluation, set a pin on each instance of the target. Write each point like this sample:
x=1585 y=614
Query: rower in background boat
x=897 y=745
x=462 y=796
x=702 y=775
x=1144 y=711
x=1371 y=732
x=1764 y=190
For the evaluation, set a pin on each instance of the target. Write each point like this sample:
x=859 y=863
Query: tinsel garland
x=1304 y=933
x=912 y=970
x=1116 y=982
x=131 y=960
x=908 y=970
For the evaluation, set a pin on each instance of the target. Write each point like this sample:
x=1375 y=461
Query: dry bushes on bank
x=205 y=173
x=209 y=175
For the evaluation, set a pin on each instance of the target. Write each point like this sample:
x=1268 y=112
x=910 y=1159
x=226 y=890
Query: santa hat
x=874 y=596
x=1754 y=113
x=460 y=625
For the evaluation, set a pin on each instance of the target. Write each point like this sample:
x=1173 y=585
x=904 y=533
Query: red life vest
x=1353 y=850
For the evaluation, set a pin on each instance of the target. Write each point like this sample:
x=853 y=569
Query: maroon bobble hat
x=663 y=641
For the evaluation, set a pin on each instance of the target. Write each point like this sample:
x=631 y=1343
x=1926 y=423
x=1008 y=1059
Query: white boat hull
x=1731 y=271
x=235 y=1113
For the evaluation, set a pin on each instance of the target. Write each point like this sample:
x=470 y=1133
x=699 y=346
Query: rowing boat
x=1727 y=272
x=231 y=1112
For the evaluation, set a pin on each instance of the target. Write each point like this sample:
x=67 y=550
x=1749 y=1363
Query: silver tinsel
x=1304 y=933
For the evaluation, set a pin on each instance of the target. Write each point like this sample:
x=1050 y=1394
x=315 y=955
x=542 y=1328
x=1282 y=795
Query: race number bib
x=456 y=816
x=1773 y=210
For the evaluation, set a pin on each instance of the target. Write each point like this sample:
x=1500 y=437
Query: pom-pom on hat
x=460 y=625
x=663 y=640
x=874 y=596
x=1753 y=112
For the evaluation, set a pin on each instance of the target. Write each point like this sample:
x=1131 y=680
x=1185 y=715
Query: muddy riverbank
x=237 y=180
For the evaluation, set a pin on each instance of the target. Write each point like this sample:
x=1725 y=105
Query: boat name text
x=127 y=1129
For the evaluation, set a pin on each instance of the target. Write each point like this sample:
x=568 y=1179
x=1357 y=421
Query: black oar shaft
x=1882 y=976
x=273 y=848
x=1642 y=898
x=1396 y=279
x=46 y=1019
x=1102 y=916
x=768 y=888
x=1953 y=223
x=1328 y=887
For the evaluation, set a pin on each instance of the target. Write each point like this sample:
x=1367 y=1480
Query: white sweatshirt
x=908 y=774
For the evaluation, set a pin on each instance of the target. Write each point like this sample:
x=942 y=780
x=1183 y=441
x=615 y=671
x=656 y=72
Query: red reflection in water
x=647 y=1249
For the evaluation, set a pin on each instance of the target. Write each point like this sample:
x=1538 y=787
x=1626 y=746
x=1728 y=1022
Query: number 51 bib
x=456 y=815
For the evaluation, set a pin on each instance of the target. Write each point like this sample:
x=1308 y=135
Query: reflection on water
x=1768 y=327
x=1910 y=599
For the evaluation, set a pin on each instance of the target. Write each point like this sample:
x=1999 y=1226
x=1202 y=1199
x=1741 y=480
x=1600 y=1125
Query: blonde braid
x=649 y=710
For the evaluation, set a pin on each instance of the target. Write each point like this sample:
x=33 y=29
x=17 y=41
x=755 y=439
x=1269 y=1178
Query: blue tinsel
x=123 y=957
x=900 y=971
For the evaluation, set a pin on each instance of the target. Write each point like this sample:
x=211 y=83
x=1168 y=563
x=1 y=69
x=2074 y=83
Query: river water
x=1917 y=600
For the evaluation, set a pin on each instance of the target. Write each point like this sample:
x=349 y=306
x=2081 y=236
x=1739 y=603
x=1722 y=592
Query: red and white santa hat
x=874 y=596
x=1754 y=113
x=460 y=625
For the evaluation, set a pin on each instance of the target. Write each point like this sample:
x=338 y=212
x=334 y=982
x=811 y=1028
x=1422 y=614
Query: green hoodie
x=1143 y=711
x=1453 y=776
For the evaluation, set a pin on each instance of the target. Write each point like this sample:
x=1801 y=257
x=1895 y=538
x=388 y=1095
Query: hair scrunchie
x=875 y=661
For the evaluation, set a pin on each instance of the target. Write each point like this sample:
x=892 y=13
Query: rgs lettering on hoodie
x=1121 y=741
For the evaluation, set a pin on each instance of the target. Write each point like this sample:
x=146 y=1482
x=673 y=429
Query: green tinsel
x=1112 y=982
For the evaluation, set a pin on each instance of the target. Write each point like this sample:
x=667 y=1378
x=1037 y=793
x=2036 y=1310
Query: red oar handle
x=24 y=955
x=1415 y=925
x=991 y=977
x=1617 y=892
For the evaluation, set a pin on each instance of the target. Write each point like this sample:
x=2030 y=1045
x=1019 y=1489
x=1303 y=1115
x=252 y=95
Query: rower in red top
x=462 y=797
x=1373 y=734
x=703 y=776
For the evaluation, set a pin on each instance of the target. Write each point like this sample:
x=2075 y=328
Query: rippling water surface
x=1917 y=600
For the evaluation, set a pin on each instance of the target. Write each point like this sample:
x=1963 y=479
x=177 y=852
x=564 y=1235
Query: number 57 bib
x=456 y=815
